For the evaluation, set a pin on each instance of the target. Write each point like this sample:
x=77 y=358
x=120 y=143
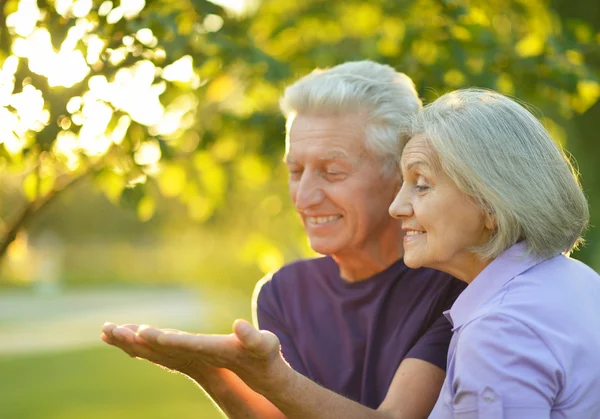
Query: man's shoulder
x=297 y=274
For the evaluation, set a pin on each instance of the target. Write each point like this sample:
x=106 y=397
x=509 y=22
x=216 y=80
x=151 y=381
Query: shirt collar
x=512 y=262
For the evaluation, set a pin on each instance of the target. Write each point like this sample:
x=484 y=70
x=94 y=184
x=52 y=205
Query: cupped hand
x=126 y=338
x=251 y=354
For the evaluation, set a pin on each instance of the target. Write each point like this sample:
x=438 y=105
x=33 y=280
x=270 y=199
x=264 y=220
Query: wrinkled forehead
x=335 y=135
x=419 y=152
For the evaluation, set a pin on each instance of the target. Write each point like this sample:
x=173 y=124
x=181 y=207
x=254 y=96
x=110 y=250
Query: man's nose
x=309 y=192
x=401 y=206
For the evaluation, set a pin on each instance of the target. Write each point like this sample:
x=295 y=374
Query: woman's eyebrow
x=417 y=163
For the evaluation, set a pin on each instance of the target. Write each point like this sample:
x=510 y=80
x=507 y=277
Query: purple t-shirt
x=351 y=337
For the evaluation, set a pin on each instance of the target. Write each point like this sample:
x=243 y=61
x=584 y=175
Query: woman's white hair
x=387 y=97
x=498 y=153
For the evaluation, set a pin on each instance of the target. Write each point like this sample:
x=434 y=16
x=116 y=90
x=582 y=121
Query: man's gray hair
x=387 y=97
x=498 y=153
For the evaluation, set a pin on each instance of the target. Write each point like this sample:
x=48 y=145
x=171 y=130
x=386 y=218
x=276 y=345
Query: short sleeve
x=267 y=314
x=433 y=345
x=502 y=370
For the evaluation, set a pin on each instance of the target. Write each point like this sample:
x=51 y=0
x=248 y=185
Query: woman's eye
x=421 y=188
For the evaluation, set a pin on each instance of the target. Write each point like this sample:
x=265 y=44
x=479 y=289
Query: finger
x=118 y=344
x=124 y=334
x=206 y=344
x=247 y=334
x=131 y=326
x=105 y=338
x=258 y=342
x=139 y=350
x=149 y=334
x=108 y=327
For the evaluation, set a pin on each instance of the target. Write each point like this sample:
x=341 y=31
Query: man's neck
x=362 y=265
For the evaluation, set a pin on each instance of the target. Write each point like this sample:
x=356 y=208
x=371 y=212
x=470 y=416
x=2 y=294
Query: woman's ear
x=490 y=220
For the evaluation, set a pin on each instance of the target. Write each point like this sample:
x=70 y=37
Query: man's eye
x=333 y=175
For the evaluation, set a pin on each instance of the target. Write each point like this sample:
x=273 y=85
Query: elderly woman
x=489 y=198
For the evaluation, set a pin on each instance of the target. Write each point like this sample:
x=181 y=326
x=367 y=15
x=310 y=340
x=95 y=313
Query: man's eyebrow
x=334 y=155
x=328 y=157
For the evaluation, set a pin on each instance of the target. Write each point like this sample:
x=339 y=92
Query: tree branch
x=32 y=209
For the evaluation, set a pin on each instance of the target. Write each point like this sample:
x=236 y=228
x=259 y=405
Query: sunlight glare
x=25 y=19
x=68 y=66
x=177 y=116
x=76 y=8
x=75 y=34
x=118 y=134
x=72 y=69
x=117 y=55
x=148 y=153
x=146 y=37
x=181 y=70
x=7 y=79
x=74 y=104
x=236 y=6
x=8 y=120
x=133 y=91
x=10 y=65
x=132 y=8
x=81 y=8
x=95 y=45
x=105 y=8
x=66 y=145
x=212 y=23
x=94 y=117
x=114 y=15
x=63 y=6
x=29 y=105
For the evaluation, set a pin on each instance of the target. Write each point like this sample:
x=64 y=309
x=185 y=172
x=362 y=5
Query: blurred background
x=140 y=161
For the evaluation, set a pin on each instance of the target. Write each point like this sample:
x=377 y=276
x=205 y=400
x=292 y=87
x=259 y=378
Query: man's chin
x=319 y=246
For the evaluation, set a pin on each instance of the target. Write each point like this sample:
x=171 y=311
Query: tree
x=175 y=99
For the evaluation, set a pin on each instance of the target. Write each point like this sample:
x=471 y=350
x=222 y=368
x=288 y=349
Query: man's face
x=339 y=190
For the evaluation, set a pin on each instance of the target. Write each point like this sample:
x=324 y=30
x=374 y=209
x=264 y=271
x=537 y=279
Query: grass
x=94 y=384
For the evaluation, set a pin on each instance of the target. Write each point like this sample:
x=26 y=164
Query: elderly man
x=357 y=321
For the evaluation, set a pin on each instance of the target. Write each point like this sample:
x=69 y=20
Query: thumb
x=260 y=342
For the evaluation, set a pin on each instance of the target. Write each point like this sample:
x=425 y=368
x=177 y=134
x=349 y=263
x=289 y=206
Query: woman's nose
x=401 y=206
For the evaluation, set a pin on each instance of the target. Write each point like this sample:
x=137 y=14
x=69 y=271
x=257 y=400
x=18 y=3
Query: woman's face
x=440 y=223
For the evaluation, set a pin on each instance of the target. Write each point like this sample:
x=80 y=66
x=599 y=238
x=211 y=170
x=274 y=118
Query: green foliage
x=179 y=99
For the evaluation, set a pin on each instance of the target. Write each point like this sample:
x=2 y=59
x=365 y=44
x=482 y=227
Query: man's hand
x=126 y=338
x=205 y=359
x=251 y=354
